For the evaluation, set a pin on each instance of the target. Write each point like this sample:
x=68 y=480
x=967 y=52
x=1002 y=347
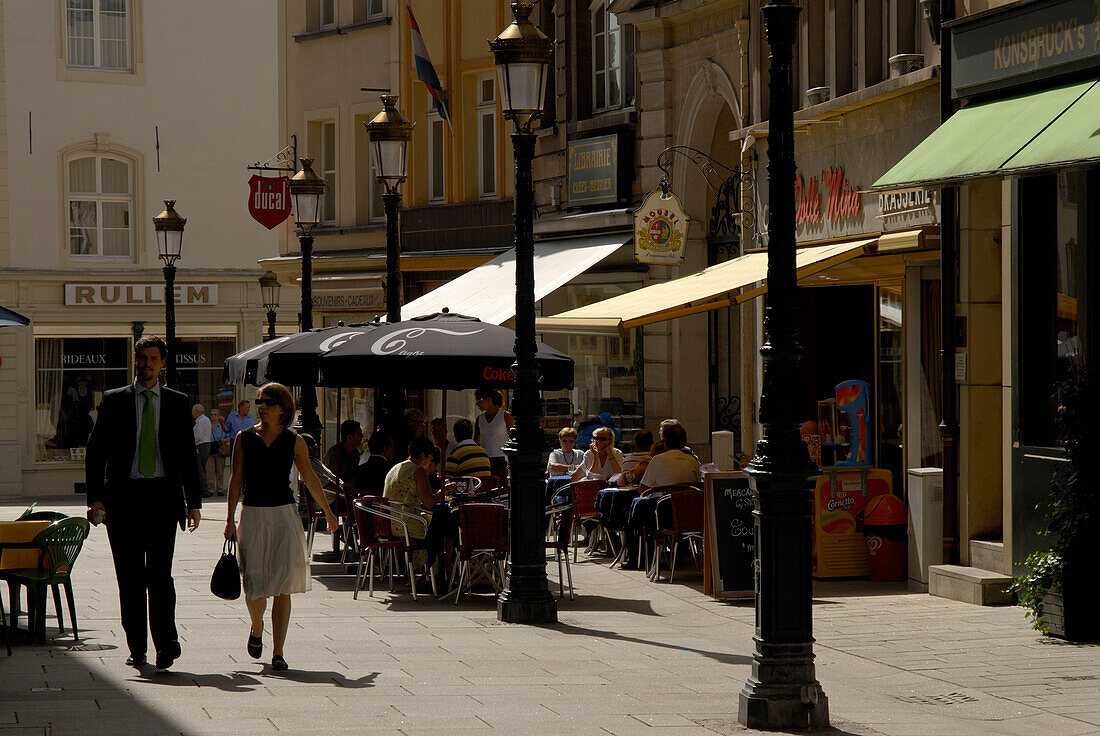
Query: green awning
x=1035 y=130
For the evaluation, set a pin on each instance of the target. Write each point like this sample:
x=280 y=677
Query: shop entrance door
x=924 y=389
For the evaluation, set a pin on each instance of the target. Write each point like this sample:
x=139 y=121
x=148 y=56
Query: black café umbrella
x=9 y=318
x=440 y=350
x=291 y=359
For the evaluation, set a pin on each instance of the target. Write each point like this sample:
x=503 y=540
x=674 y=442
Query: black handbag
x=226 y=580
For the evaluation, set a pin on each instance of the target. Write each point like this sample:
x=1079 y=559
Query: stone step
x=989 y=554
x=969 y=585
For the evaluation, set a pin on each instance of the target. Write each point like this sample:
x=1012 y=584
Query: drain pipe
x=949 y=253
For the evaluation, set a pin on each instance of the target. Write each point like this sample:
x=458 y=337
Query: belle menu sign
x=1023 y=44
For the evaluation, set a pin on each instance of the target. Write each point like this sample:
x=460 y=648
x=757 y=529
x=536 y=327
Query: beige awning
x=711 y=288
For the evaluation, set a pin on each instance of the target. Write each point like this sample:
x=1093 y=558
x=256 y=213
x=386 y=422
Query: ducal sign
x=660 y=227
x=842 y=198
x=129 y=295
x=269 y=199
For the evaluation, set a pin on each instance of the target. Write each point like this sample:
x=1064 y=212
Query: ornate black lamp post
x=269 y=292
x=522 y=55
x=308 y=191
x=169 y=228
x=389 y=134
x=782 y=692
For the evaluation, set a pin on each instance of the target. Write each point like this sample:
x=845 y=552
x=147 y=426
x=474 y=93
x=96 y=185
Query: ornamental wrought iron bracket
x=730 y=185
x=286 y=160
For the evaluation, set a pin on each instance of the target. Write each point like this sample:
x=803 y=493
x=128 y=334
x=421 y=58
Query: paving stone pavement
x=629 y=657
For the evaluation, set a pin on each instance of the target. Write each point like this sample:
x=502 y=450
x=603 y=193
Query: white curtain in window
x=80 y=32
x=47 y=399
x=82 y=176
x=112 y=31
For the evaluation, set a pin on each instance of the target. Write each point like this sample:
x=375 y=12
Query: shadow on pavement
x=575 y=630
x=236 y=682
x=320 y=677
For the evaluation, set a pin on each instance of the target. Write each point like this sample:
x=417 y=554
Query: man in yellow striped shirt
x=467 y=457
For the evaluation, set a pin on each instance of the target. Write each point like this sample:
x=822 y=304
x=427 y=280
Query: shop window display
x=608 y=370
x=71 y=375
x=199 y=365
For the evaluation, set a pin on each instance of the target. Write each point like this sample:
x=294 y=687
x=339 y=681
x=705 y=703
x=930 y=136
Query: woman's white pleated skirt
x=271 y=550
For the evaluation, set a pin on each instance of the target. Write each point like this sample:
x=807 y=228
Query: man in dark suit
x=143 y=475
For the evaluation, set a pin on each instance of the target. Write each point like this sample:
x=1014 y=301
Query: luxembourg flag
x=425 y=72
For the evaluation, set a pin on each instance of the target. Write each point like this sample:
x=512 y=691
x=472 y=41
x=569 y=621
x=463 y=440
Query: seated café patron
x=674 y=465
x=568 y=458
x=467 y=457
x=603 y=460
x=370 y=476
x=635 y=463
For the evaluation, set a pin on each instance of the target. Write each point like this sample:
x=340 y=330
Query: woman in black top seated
x=271 y=544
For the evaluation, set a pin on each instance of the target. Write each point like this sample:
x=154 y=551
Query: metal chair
x=480 y=541
x=687 y=525
x=397 y=519
x=58 y=545
x=562 y=537
x=314 y=516
x=375 y=540
x=583 y=495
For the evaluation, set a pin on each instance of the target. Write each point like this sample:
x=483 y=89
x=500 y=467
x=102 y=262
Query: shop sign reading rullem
x=129 y=295
x=1024 y=43
x=269 y=199
x=660 y=230
x=593 y=170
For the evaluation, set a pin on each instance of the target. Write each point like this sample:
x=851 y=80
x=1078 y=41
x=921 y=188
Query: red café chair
x=687 y=525
x=387 y=513
x=481 y=544
x=375 y=536
x=583 y=494
x=314 y=516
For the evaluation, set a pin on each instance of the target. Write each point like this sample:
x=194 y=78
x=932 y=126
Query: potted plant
x=1057 y=587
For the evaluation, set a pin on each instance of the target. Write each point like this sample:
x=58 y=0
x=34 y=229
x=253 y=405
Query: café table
x=15 y=532
x=553 y=483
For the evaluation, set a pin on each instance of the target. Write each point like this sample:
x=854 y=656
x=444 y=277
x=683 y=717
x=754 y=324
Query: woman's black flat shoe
x=255 y=646
x=278 y=664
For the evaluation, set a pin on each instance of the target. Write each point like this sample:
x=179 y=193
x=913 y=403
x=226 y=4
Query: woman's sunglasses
x=266 y=402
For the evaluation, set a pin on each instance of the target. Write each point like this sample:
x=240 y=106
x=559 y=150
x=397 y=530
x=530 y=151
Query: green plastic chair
x=59 y=544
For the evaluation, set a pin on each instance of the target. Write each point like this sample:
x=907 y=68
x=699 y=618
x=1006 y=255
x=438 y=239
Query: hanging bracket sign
x=269 y=199
x=660 y=230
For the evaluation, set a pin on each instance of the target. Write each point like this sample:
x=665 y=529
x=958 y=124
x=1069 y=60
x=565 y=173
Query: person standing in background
x=202 y=445
x=238 y=420
x=219 y=451
x=491 y=431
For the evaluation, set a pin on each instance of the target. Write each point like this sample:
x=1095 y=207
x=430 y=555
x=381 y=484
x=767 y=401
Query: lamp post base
x=801 y=708
x=514 y=607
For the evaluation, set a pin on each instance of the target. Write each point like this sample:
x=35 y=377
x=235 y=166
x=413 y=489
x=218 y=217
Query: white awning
x=488 y=292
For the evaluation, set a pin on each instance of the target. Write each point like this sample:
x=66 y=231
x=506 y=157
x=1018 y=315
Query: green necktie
x=147 y=457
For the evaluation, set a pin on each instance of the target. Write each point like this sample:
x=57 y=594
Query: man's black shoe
x=136 y=660
x=169 y=655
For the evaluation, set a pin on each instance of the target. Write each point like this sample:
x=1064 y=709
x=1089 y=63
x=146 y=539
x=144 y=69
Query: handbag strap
x=229 y=548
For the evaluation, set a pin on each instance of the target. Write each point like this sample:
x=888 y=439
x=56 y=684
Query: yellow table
x=20 y=531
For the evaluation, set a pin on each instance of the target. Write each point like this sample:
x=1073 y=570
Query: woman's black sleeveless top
x=267 y=469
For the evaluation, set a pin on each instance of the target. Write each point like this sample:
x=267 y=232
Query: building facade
x=109 y=107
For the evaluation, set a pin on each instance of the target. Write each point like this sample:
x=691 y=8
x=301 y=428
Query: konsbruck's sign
x=131 y=295
x=1024 y=44
x=593 y=170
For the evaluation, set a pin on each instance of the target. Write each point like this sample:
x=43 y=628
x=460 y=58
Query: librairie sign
x=1024 y=43
x=269 y=199
x=660 y=230
x=129 y=295
x=593 y=170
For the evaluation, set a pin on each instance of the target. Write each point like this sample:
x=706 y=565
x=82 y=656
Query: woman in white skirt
x=271 y=545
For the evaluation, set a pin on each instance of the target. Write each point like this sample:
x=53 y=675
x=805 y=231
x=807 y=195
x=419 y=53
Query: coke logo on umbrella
x=269 y=199
x=498 y=374
x=396 y=341
x=336 y=341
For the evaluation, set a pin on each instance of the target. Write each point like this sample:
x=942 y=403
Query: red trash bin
x=884 y=522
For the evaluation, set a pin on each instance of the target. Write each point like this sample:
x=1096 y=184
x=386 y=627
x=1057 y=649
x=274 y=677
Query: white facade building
x=108 y=107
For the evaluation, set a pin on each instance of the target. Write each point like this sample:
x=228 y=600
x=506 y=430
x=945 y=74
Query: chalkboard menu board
x=732 y=534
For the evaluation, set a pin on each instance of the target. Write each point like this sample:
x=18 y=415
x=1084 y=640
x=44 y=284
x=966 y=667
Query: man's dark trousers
x=143 y=539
